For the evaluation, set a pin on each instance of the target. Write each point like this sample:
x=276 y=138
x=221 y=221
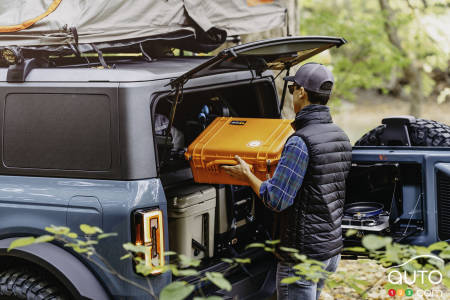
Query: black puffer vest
x=313 y=223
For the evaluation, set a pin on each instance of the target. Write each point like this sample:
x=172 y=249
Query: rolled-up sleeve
x=278 y=192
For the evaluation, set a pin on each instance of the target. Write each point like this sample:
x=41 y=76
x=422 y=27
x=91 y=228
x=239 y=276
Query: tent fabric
x=108 y=22
x=28 y=23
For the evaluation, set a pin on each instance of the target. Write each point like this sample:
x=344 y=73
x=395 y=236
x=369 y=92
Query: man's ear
x=302 y=92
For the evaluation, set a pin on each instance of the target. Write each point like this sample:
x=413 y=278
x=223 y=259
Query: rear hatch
x=275 y=54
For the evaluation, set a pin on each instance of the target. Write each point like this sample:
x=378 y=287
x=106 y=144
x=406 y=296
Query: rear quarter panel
x=29 y=204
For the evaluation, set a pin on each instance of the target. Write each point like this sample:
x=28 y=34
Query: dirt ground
x=359 y=116
x=370 y=271
x=356 y=118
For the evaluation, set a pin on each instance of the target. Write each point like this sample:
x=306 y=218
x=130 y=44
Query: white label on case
x=254 y=144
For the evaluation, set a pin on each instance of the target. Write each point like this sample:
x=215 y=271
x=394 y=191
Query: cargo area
x=210 y=221
x=385 y=199
x=213 y=221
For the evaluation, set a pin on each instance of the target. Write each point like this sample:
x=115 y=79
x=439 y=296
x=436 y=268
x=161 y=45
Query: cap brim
x=289 y=78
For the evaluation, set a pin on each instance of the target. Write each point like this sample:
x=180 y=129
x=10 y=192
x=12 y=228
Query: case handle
x=224 y=162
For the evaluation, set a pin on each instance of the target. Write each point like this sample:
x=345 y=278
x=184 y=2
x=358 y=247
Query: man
x=308 y=186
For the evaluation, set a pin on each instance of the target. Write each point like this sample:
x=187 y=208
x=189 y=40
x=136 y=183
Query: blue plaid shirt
x=278 y=192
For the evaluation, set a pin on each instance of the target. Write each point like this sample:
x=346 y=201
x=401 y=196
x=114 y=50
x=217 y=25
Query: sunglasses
x=292 y=87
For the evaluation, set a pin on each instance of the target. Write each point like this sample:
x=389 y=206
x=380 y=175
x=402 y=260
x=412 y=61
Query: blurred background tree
x=393 y=46
x=396 y=60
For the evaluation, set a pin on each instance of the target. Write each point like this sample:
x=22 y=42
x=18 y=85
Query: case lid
x=190 y=195
x=258 y=141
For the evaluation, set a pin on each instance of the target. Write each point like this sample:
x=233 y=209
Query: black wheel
x=421 y=133
x=30 y=284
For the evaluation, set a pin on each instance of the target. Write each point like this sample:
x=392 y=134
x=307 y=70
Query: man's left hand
x=241 y=171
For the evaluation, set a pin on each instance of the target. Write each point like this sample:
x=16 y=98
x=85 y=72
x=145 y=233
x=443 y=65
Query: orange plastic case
x=257 y=141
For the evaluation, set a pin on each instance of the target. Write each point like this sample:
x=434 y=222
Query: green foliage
x=289 y=280
x=218 y=280
x=243 y=260
x=134 y=248
x=356 y=249
x=374 y=242
x=90 y=229
x=177 y=290
x=186 y=261
x=351 y=232
x=382 y=249
x=273 y=242
x=370 y=60
x=255 y=245
x=286 y=249
x=22 y=242
x=106 y=235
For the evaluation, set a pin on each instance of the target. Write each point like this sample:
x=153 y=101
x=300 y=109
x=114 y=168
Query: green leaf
x=373 y=242
x=186 y=261
x=445 y=254
x=80 y=250
x=218 y=280
x=243 y=260
x=274 y=242
x=143 y=269
x=255 y=245
x=106 y=235
x=438 y=246
x=356 y=249
x=72 y=235
x=227 y=260
x=185 y=272
x=168 y=253
x=286 y=249
x=446 y=282
x=177 y=290
x=22 y=242
x=331 y=283
x=300 y=257
x=351 y=232
x=44 y=239
x=289 y=280
x=134 y=248
x=128 y=255
x=268 y=249
x=314 y=262
x=87 y=229
x=59 y=230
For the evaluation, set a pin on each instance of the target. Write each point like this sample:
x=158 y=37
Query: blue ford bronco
x=102 y=143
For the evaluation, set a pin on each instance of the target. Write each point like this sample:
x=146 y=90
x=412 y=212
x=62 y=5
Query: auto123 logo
x=400 y=276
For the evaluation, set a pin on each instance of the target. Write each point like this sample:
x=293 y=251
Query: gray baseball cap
x=313 y=77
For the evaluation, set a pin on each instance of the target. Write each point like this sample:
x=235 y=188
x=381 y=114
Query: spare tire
x=421 y=133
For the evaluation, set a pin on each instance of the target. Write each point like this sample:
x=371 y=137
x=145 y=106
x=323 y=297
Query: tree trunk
x=412 y=72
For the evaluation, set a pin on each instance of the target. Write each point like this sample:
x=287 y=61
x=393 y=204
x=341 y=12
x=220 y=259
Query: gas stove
x=365 y=216
x=377 y=223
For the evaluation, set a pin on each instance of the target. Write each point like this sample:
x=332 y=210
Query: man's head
x=312 y=84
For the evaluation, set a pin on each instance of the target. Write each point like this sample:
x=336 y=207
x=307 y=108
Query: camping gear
x=361 y=210
x=68 y=26
x=365 y=216
x=234 y=208
x=257 y=141
x=191 y=212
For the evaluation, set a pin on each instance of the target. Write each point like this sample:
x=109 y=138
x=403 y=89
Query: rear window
x=57 y=131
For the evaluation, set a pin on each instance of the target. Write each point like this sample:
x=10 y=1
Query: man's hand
x=241 y=171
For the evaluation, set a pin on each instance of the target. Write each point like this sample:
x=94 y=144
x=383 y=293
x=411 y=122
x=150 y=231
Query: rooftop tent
x=60 y=26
